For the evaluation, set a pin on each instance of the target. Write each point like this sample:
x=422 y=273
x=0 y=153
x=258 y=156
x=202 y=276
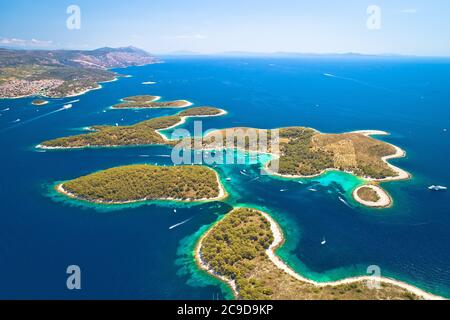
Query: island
x=307 y=153
x=142 y=133
x=240 y=249
x=63 y=73
x=372 y=196
x=138 y=183
x=300 y=152
x=150 y=102
x=39 y=102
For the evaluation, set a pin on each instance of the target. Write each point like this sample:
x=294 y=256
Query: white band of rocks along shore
x=221 y=196
x=384 y=199
x=278 y=241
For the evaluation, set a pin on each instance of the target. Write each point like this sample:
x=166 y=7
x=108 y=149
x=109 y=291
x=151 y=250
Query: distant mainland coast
x=63 y=73
x=254 y=271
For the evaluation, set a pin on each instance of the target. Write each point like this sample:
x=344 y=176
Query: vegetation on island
x=235 y=248
x=201 y=111
x=146 y=182
x=368 y=194
x=147 y=101
x=142 y=98
x=142 y=133
x=39 y=102
x=307 y=152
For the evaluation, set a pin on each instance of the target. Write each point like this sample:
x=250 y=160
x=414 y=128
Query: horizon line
x=236 y=53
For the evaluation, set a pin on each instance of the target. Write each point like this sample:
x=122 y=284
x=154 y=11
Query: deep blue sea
x=129 y=252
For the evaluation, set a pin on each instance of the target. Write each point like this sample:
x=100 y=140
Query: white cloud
x=188 y=37
x=410 y=11
x=25 y=43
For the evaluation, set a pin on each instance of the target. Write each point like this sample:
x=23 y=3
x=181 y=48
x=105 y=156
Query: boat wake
x=64 y=107
x=330 y=75
x=344 y=202
x=180 y=224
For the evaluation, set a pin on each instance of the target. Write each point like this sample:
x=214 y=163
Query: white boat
x=324 y=242
x=67 y=106
x=228 y=179
x=437 y=188
x=283 y=190
x=179 y=224
x=17 y=120
x=313 y=190
x=343 y=201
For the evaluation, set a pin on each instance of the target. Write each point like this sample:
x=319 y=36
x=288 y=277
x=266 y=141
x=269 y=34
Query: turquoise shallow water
x=130 y=252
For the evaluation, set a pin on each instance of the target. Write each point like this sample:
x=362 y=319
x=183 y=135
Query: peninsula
x=138 y=183
x=240 y=250
x=142 y=133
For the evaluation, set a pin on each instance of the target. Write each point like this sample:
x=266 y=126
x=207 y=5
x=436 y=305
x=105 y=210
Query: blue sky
x=417 y=27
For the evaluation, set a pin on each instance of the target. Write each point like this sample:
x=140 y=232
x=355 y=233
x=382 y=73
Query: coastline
x=279 y=240
x=77 y=94
x=165 y=138
x=183 y=121
x=223 y=194
x=205 y=267
x=271 y=253
x=401 y=174
x=399 y=153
